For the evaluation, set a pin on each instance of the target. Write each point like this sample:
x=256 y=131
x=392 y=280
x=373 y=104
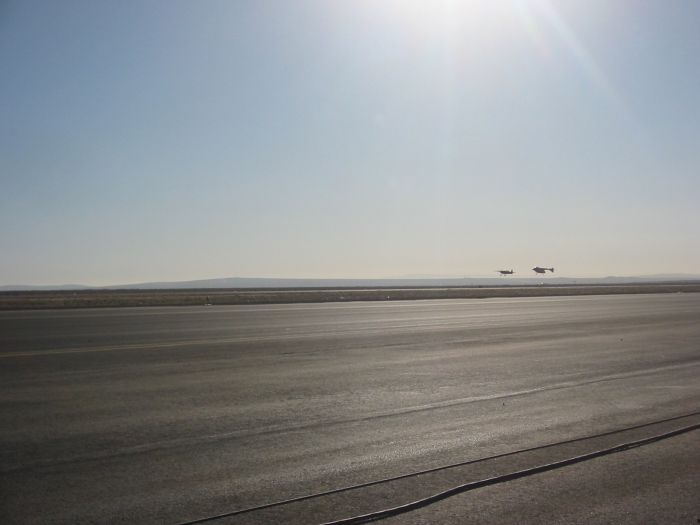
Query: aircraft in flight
x=537 y=269
x=506 y=272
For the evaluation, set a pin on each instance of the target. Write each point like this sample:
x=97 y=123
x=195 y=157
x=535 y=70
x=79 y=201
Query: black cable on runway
x=427 y=471
x=415 y=505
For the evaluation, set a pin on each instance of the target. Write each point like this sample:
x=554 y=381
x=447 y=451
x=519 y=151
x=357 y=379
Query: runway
x=165 y=415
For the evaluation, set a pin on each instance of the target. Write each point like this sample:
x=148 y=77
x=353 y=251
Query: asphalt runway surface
x=167 y=415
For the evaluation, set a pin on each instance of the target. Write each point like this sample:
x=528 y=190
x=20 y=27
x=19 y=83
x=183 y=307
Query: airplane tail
x=551 y=269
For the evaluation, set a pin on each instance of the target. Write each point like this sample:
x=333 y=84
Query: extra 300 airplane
x=537 y=269
x=506 y=272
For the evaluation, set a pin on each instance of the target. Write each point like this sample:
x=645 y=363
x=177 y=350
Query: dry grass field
x=21 y=300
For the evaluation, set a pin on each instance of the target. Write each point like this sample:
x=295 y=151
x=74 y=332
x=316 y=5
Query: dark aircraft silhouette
x=506 y=272
x=537 y=269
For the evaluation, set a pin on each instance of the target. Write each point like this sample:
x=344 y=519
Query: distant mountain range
x=262 y=282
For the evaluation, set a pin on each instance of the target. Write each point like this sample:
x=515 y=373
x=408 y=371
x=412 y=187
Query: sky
x=177 y=140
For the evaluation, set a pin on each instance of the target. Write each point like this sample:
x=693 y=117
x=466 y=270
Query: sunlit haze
x=174 y=140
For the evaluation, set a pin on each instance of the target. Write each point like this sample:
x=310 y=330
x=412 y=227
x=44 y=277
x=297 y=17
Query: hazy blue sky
x=165 y=140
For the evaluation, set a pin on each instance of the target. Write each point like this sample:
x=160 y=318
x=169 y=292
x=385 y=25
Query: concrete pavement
x=159 y=415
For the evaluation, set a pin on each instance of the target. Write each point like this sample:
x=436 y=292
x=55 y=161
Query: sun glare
x=482 y=29
x=437 y=16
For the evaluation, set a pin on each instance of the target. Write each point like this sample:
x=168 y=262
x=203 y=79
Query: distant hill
x=262 y=282
x=30 y=287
